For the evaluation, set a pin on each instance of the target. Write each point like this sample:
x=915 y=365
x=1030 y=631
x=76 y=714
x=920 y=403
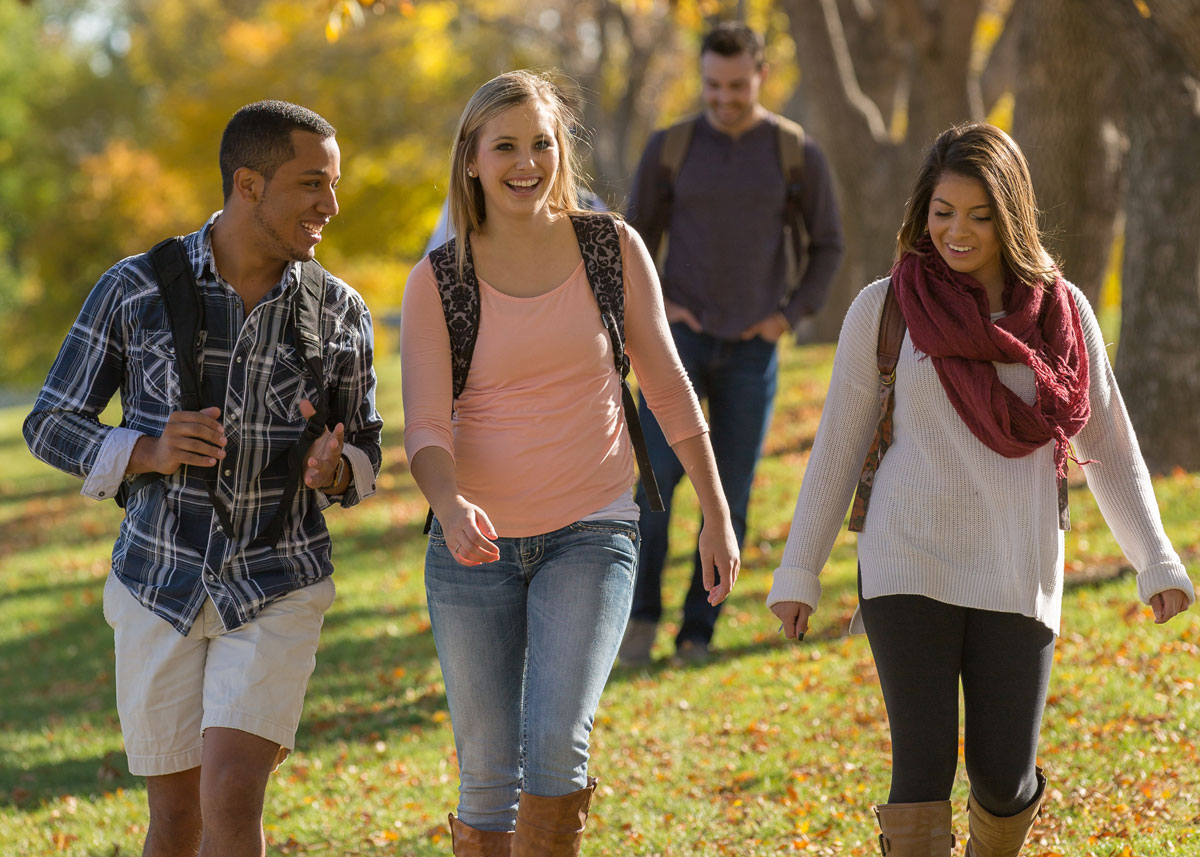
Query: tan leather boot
x=552 y=826
x=993 y=836
x=915 y=829
x=467 y=841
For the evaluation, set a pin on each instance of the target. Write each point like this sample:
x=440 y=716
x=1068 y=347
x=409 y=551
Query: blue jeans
x=526 y=644
x=738 y=379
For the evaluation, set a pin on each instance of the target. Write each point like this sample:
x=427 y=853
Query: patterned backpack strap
x=460 y=306
x=887 y=354
x=600 y=246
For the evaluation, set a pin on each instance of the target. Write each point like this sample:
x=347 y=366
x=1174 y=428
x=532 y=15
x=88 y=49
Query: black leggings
x=922 y=648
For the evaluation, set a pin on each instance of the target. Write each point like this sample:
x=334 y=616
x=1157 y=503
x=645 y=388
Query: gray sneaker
x=636 y=645
x=693 y=652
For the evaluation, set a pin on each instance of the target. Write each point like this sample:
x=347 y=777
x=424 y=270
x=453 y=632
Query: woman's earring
x=470 y=172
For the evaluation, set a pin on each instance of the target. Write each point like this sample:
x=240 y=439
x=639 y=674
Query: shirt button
x=228 y=472
x=238 y=359
x=101 y=493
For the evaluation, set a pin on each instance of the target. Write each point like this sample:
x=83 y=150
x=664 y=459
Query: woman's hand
x=719 y=558
x=1168 y=604
x=469 y=533
x=794 y=616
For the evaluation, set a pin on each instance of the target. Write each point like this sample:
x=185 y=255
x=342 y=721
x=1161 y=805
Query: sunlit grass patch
x=772 y=748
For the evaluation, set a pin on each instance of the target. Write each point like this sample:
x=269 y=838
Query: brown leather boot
x=915 y=829
x=467 y=841
x=552 y=826
x=993 y=836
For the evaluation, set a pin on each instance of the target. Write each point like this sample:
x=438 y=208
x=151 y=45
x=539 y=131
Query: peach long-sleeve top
x=538 y=435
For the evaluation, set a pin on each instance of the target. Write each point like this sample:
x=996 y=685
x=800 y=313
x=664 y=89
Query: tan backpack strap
x=657 y=219
x=887 y=353
x=676 y=140
x=791 y=164
x=791 y=149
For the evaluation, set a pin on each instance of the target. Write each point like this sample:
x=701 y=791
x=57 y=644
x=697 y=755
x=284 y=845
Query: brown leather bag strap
x=891 y=336
x=887 y=354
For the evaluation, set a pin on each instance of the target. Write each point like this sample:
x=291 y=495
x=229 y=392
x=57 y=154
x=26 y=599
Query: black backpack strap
x=185 y=313
x=600 y=246
x=306 y=334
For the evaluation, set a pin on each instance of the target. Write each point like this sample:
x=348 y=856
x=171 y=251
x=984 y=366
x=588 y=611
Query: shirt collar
x=208 y=265
x=706 y=127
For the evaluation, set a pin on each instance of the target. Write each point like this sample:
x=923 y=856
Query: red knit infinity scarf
x=949 y=320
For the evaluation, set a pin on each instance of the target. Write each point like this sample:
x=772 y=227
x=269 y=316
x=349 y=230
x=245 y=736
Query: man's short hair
x=730 y=38
x=259 y=136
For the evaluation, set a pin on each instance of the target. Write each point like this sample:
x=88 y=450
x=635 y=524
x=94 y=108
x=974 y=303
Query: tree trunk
x=1064 y=119
x=1158 y=362
x=873 y=169
x=620 y=61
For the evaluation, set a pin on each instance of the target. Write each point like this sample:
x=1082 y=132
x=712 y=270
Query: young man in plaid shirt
x=215 y=603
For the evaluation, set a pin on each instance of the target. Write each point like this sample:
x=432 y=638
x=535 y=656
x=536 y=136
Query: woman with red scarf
x=1002 y=369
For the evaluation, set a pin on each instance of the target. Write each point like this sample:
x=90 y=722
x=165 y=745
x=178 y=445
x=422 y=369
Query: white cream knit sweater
x=949 y=518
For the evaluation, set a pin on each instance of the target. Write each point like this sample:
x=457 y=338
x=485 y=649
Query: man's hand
x=191 y=437
x=675 y=313
x=324 y=455
x=770 y=328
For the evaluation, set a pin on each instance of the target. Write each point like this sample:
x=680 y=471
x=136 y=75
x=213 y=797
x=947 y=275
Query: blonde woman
x=527 y=463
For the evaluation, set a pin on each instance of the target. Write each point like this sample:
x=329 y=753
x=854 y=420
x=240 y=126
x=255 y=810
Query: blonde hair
x=981 y=151
x=468 y=210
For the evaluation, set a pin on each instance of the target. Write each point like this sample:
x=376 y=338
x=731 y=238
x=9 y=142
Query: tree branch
x=817 y=30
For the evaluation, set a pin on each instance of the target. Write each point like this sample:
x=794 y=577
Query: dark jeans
x=922 y=648
x=738 y=379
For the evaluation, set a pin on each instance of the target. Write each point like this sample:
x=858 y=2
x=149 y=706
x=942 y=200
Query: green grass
x=773 y=748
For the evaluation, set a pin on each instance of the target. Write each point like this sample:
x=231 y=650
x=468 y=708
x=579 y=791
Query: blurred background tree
x=111 y=112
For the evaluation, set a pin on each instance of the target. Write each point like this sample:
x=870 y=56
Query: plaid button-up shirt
x=172 y=552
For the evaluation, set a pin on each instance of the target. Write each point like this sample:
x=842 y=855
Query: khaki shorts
x=171 y=688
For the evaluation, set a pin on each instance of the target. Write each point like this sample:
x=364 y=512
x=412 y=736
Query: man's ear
x=248 y=184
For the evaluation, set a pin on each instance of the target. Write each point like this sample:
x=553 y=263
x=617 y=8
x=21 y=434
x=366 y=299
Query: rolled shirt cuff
x=362 y=480
x=362 y=471
x=1163 y=576
x=794 y=584
x=108 y=470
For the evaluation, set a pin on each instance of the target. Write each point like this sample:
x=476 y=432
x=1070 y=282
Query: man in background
x=755 y=240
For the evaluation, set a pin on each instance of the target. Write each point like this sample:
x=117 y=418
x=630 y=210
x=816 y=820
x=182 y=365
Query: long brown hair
x=467 y=207
x=981 y=151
